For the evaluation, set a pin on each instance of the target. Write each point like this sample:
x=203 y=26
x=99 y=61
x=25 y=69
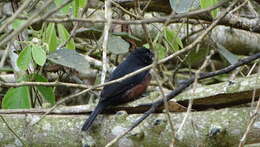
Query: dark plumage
x=128 y=89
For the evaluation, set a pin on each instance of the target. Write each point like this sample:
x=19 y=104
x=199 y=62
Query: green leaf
x=82 y=3
x=46 y=92
x=43 y=32
x=214 y=12
x=24 y=58
x=208 y=3
x=17 y=98
x=178 y=39
x=75 y=7
x=39 y=55
x=172 y=39
x=64 y=35
x=51 y=37
x=117 y=45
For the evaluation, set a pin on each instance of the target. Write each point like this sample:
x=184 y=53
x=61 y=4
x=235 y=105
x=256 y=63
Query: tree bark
x=211 y=128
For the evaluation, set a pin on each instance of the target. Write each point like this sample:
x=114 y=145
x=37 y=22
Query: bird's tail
x=99 y=108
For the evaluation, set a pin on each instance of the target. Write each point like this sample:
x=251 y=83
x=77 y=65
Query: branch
x=48 y=84
x=108 y=17
x=64 y=129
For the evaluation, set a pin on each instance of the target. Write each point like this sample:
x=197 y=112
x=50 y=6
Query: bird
x=128 y=89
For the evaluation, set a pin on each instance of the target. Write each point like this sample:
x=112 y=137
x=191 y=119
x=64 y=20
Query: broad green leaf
x=51 y=37
x=208 y=3
x=17 y=23
x=24 y=58
x=71 y=59
x=39 y=55
x=17 y=98
x=64 y=35
x=46 y=92
x=117 y=45
x=182 y=6
x=230 y=57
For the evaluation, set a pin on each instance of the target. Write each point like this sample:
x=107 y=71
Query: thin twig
x=254 y=92
x=165 y=102
x=124 y=10
x=251 y=70
x=4 y=56
x=48 y=84
x=252 y=120
x=251 y=8
x=253 y=117
x=239 y=7
x=145 y=7
x=108 y=17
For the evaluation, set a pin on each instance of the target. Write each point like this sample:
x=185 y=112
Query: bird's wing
x=119 y=88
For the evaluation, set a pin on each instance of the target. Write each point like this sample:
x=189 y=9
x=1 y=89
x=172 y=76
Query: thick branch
x=213 y=128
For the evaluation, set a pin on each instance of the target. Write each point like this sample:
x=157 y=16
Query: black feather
x=99 y=108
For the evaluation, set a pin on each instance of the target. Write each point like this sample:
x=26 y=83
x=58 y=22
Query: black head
x=144 y=55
